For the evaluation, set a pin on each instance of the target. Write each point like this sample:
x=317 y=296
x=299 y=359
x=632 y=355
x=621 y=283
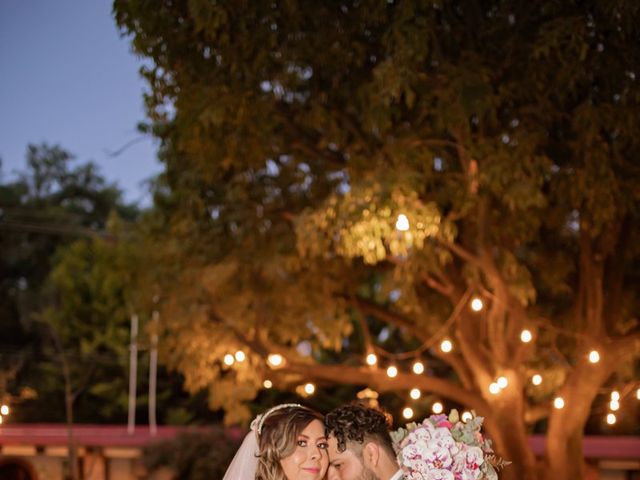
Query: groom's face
x=346 y=465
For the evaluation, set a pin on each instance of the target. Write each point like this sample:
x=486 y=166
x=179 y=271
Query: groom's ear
x=371 y=454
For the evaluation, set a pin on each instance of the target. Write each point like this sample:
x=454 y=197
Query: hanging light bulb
x=476 y=304
x=4 y=410
x=402 y=223
x=309 y=388
x=502 y=382
x=0 y=419
x=611 y=419
x=615 y=396
x=494 y=388
x=372 y=359
x=558 y=402
x=446 y=346
x=407 y=413
x=228 y=359
x=638 y=394
x=526 y=336
x=415 y=393
x=267 y=384
x=275 y=360
x=594 y=356
x=466 y=416
x=392 y=371
x=240 y=356
x=437 y=408
x=418 y=368
x=614 y=405
x=536 y=379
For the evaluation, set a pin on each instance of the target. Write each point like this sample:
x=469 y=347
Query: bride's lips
x=314 y=470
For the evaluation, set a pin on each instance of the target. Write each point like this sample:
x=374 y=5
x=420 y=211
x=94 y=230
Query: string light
x=372 y=359
x=267 y=384
x=437 y=408
x=407 y=413
x=392 y=371
x=0 y=419
x=275 y=360
x=240 y=356
x=638 y=394
x=615 y=396
x=402 y=223
x=415 y=393
x=476 y=304
x=611 y=419
x=536 y=379
x=594 y=356
x=4 y=410
x=418 y=368
x=494 y=388
x=614 y=405
x=309 y=388
x=466 y=416
x=526 y=336
x=446 y=346
x=558 y=402
x=228 y=359
x=502 y=382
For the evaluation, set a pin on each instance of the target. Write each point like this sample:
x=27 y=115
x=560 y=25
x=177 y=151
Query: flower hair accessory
x=258 y=422
x=446 y=448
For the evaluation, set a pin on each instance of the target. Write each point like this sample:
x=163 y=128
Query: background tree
x=343 y=178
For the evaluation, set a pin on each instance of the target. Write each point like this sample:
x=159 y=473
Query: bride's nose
x=316 y=452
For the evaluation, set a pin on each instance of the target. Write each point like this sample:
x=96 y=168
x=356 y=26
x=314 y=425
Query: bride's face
x=309 y=461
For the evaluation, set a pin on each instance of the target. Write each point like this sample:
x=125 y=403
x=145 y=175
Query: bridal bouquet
x=445 y=448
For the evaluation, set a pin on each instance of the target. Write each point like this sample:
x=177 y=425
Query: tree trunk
x=507 y=429
x=564 y=459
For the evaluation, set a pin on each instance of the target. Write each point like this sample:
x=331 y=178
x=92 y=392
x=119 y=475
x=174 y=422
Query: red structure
x=38 y=451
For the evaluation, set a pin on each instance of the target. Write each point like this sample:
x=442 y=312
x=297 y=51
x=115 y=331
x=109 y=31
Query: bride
x=287 y=442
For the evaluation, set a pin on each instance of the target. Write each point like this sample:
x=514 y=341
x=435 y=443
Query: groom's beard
x=367 y=475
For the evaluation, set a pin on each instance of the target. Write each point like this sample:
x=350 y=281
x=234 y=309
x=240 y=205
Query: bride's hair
x=278 y=432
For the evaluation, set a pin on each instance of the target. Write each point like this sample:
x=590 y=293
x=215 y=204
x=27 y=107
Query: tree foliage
x=295 y=135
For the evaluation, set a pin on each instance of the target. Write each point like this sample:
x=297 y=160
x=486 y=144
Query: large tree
x=346 y=176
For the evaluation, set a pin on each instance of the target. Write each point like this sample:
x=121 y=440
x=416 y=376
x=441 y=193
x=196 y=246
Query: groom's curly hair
x=357 y=424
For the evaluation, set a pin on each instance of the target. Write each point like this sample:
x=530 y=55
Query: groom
x=359 y=445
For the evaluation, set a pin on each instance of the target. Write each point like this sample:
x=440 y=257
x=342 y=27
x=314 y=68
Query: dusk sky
x=68 y=78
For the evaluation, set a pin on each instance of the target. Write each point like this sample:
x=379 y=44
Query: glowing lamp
x=526 y=336
x=372 y=359
x=418 y=368
x=275 y=360
x=476 y=304
x=402 y=223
